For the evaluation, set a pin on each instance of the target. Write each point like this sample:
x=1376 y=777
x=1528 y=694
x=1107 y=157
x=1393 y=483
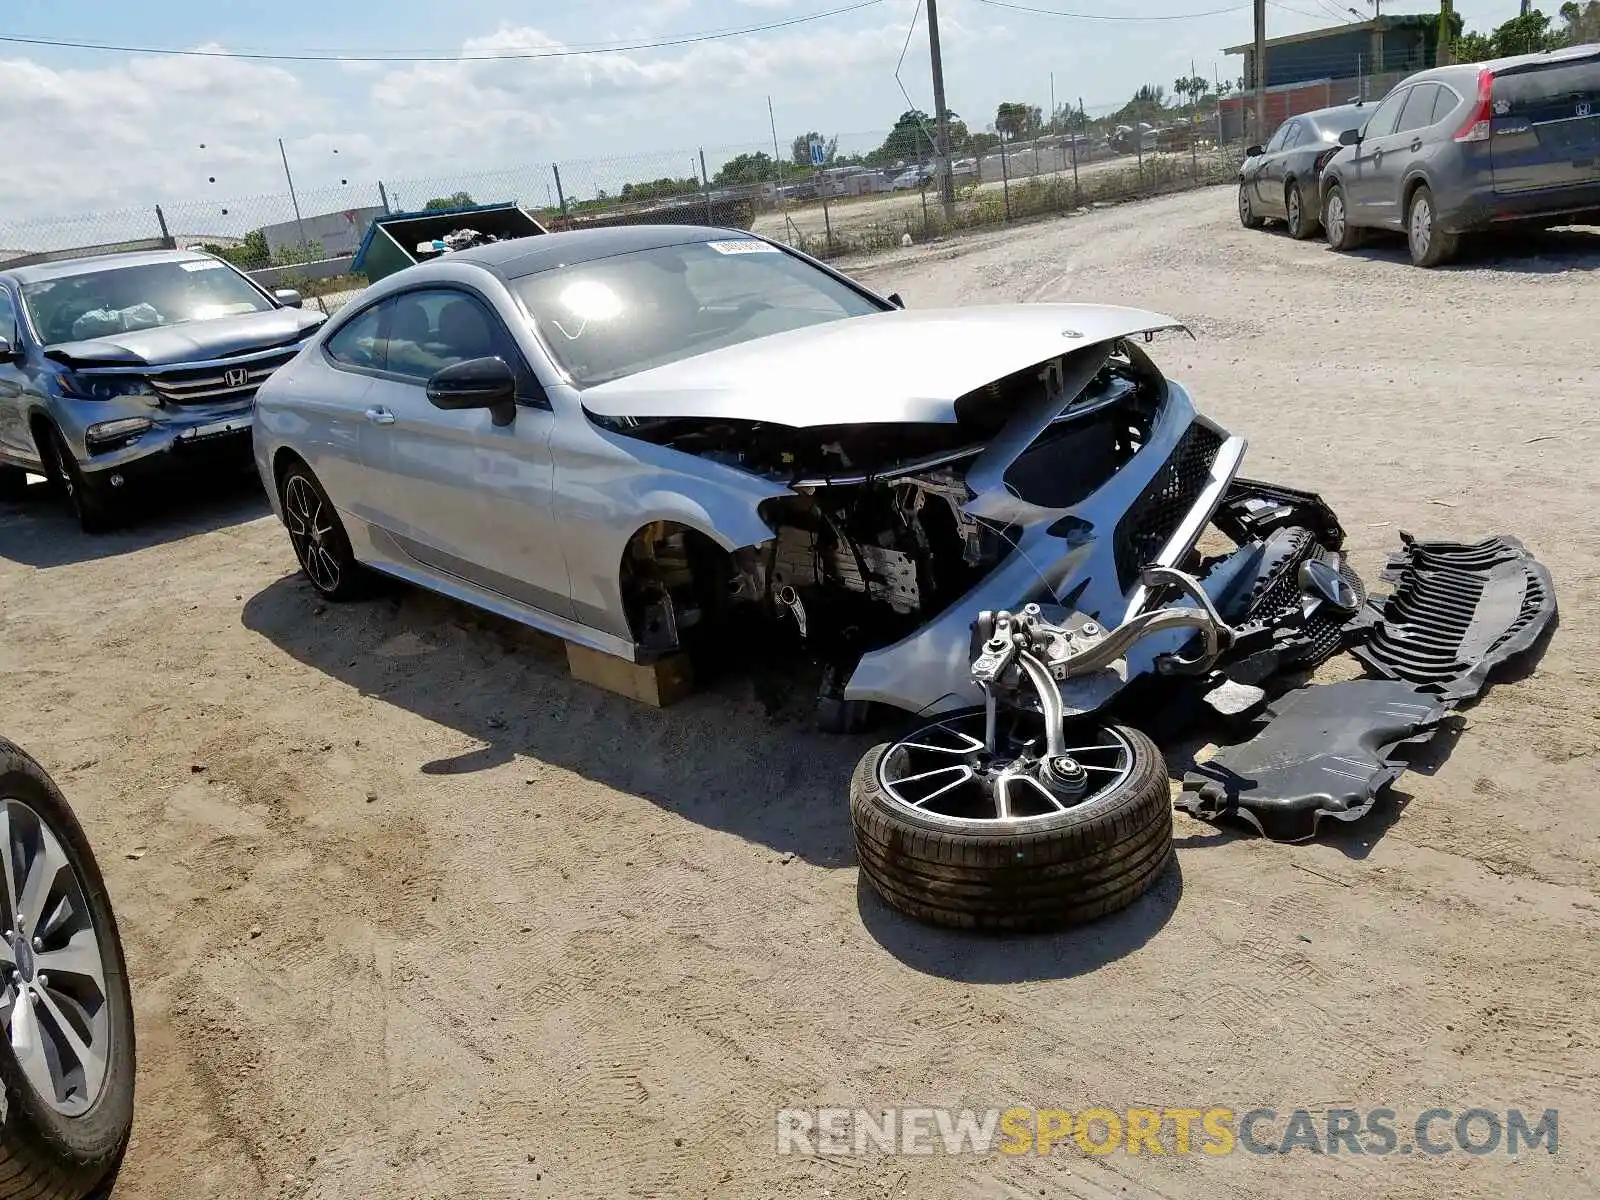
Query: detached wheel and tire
x=318 y=537
x=68 y=1070
x=1247 y=210
x=1302 y=224
x=1336 y=225
x=953 y=835
x=1430 y=245
x=87 y=500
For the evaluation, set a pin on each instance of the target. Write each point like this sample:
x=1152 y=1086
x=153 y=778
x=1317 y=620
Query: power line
x=562 y=52
x=1083 y=16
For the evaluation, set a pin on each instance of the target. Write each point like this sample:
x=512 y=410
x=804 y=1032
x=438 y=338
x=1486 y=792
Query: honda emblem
x=1583 y=108
x=236 y=377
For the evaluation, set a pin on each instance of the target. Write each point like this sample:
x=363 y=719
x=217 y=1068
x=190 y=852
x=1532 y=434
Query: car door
x=14 y=440
x=1412 y=148
x=1268 y=196
x=328 y=408
x=1276 y=170
x=454 y=492
x=1373 y=196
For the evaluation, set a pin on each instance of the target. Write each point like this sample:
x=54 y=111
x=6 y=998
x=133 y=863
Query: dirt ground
x=412 y=914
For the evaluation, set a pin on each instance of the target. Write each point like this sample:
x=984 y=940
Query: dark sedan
x=1282 y=179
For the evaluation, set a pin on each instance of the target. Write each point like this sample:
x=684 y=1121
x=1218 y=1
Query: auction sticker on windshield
x=204 y=264
x=743 y=246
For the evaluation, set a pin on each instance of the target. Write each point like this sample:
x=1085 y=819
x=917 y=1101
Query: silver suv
x=116 y=368
x=1461 y=149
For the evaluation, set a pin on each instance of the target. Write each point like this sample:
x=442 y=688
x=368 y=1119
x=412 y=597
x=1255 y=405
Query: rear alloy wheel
x=64 y=1002
x=1430 y=245
x=318 y=537
x=1336 y=225
x=1247 y=211
x=952 y=834
x=1301 y=224
x=86 y=498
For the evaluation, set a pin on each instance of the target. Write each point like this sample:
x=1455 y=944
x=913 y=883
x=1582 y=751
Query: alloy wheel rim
x=943 y=771
x=1421 y=225
x=1294 y=209
x=1244 y=204
x=310 y=529
x=1336 y=217
x=69 y=488
x=53 y=1004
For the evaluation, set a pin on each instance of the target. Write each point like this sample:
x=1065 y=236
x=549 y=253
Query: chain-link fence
x=862 y=199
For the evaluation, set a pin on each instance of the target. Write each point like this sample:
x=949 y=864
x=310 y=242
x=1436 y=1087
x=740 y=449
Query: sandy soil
x=411 y=914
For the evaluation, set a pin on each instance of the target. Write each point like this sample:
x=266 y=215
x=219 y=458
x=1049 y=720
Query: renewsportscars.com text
x=1212 y=1131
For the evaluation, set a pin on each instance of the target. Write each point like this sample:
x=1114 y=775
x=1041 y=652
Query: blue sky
x=105 y=130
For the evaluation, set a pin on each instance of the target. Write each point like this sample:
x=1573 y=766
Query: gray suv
x=1467 y=148
x=123 y=366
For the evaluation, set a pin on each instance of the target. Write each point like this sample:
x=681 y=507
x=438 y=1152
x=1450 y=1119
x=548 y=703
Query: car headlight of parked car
x=114 y=435
x=110 y=387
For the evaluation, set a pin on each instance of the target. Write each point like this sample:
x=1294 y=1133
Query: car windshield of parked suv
x=95 y=304
x=617 y=316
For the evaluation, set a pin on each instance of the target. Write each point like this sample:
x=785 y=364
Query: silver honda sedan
x=663 y=438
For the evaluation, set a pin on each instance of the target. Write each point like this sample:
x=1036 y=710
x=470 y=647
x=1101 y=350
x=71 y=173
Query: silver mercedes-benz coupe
x=655 y=438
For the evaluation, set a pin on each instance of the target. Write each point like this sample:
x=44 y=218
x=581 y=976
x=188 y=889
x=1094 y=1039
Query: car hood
x=191 y=341
x=886 y=368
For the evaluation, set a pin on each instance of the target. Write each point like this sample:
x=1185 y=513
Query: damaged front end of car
x=1072 y=538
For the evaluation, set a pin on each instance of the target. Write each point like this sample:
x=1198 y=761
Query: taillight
x=1326 y=157
x=1480 y=121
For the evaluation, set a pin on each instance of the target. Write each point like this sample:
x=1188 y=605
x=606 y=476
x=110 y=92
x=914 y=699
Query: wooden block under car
x=659 y=683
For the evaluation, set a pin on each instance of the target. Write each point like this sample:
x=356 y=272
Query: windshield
x=79 y=308
x=617 y=316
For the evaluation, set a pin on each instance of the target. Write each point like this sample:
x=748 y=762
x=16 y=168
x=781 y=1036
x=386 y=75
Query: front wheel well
x=668 y=561
x=282 y=461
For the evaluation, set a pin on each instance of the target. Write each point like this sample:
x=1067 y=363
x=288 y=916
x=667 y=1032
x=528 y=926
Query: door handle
x=1416 y=145
x=380 y=416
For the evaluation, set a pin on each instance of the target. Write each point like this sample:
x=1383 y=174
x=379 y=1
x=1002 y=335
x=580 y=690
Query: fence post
x=166 y=238
x=1077 y=192
x=561 y=197
x=705 y=187
x=1138 y=147
x=1005 y=176
x=383 y=195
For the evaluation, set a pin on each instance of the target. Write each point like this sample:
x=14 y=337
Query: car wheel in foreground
x=953 y=835
x=64 y=1003
x=318 y=537
x=1247 y=211
x=1430 y=245
x=1301 y=223
x=87 y=499
x=1336 y=225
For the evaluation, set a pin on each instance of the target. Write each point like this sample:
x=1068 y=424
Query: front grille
x=210 y=383
x=1155 y=516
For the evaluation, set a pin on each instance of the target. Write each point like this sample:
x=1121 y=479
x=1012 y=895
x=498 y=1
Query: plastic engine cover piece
x=1458 y=612
x=1325 y=751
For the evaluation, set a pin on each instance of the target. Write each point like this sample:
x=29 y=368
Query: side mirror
x=1254 y=152
x=288 y=297
x=1350 y=137
x=894 y=299
x=477 y=383
x=8 y=352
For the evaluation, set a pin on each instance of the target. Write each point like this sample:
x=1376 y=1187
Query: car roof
x=67 y=267
x=1458 y=70
x=543 y=252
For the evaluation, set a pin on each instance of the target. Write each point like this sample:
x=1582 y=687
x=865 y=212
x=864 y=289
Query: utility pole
x=1261 y=72
x=941 y=116
x=1445 y=52
x=305 y=248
